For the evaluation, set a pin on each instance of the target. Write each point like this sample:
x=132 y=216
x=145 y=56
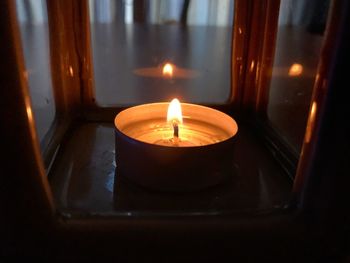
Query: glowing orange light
x=295 y=70
x=252 y=66
x=168 y=70
x=311 y=122
x=26 y=74
x=29 y=113
x=174 y=112
x=71 y=71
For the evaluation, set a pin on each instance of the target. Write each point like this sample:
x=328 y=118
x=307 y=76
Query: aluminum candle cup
x=148 y=154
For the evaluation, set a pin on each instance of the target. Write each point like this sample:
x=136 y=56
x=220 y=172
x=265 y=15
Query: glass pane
x=32 y=17
x=133 y=40
x=299 y=40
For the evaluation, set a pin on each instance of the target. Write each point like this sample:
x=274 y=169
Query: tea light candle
x=173 y=147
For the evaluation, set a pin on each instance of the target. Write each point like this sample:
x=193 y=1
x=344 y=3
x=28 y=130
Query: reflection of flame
x=295 y=70
x=71 y=73
x=252 y=66
x=311 y=122
x=174 y=111
x=168 y=70
x=29 y=113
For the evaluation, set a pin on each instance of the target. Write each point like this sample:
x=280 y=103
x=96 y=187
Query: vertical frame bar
x=240 y=40
x=264 y=67
x=84 y=52
x=28 y=209
x=64 y=60
x=327 y=88
x=82 y=42
x=66 y=70
x=322 y=184
x=261 y=27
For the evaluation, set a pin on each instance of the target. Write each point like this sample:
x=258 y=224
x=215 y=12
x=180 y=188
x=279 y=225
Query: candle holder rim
x=182 y=104
x=193 y=147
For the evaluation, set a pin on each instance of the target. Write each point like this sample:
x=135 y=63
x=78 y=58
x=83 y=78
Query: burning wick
x=176 y=129
x=174 y=117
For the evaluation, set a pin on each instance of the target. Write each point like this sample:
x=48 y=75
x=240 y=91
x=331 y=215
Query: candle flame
x=168 y=70
x=174 y=112
x=295 y=70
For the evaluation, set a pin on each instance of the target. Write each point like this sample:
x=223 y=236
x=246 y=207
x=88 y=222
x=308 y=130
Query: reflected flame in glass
x=311 y=122
x=174 y=111
x=29 y=113
x=168 y=70
x=71 y=73
x=26 y=74
x=295 y=70
x=252 y=66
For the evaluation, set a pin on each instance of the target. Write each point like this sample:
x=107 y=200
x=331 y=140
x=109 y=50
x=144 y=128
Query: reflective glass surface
x=301 y=29
x=133 y=40
x=32 y=18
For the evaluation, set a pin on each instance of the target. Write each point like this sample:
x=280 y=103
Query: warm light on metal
x=71 y=73
x=29 y=113
x=252 y=66
x=311 y=123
